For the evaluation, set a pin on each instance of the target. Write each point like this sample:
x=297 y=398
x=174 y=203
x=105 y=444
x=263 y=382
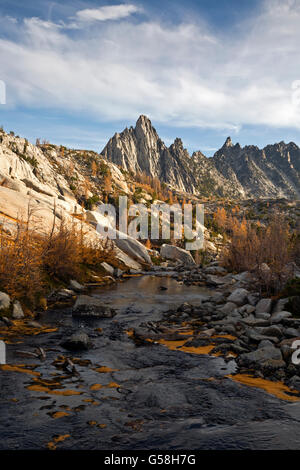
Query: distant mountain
x=140 y=149
x=233 y=171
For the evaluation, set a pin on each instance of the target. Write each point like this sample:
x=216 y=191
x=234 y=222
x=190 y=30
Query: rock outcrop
x=37 y=184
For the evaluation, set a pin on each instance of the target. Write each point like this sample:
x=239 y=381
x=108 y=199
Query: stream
x=126 y=396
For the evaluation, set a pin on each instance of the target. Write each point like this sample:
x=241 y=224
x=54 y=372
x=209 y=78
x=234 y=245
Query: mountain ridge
x=233 y=171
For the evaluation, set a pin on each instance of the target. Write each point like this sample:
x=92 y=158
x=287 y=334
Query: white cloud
x=105 y=13
x=183 y=75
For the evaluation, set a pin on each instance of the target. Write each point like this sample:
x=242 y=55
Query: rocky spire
x=228 y=142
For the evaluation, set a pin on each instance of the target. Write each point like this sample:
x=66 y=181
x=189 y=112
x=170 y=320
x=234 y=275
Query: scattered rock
x=228 y=307
x=291 y=333
x=86 y=306
x=258 y=337
x=259 y=356
x=253 y=298
x=238 y=296
x=263 y=316
x=77 y=342
x=74 y=285
x=279 y=316
x=263 y=306
x=270 y=331
x=247 y=309
x=265 y=343
x=215 y=270
x=294 y=383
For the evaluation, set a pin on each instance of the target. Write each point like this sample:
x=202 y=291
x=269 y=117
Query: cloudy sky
x=77 y=71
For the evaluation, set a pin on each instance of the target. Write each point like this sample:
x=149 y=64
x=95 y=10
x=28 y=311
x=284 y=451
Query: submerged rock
x=87 y=306
x=77 y=342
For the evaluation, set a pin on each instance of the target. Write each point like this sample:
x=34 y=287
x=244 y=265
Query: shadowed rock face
x=233 y=171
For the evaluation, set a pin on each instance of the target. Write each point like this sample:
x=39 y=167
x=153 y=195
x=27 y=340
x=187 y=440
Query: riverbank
x=154 y=375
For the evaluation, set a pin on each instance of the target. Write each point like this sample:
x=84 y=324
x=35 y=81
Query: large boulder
x=238 y=296
x=135 y=249
x=260 y=356
x=228 y=307
x=279 y=316
x=215 y=270
x=108 y=268
x=132 y=247
x=264 y=306
x=174 y=253
x=4 y=301
x=126 y=261
x=270 y=331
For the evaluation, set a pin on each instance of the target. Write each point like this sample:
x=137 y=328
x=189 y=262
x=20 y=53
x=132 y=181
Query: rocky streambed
x=174 y=359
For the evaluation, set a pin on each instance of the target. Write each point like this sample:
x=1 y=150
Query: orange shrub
x=28 y=261
x=252 y=246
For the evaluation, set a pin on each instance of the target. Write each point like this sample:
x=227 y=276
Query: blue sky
x=78 y=71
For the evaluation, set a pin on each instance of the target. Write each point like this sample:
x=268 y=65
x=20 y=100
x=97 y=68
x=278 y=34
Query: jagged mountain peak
x=144 y=125
x=233 y=171
x=143 y=120
x=198 y=155
x=177 y=144
x=228 y=142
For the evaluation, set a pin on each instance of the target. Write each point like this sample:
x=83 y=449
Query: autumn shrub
x=61 y=253
x=21 y=265
x=68 y=249
x=264 y=251
x=31 y=263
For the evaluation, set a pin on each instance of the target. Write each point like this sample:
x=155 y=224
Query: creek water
x=125 y=396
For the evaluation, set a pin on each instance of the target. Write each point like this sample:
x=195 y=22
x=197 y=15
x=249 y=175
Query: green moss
x=156 y=260
x=103 y=169
x=91 y=201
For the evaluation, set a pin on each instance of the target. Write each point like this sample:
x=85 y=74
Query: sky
x=75 y=72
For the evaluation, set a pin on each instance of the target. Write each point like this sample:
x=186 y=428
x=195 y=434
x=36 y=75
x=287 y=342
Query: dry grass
x=30 y=262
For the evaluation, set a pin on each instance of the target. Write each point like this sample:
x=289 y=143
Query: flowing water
x=125 y=396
